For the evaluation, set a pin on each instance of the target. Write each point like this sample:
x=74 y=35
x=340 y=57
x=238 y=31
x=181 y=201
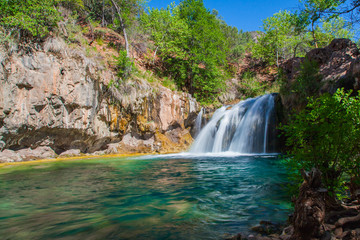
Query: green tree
x=283 y=37
x=334 y=28
x=238 y=41
x=287 y=35
x=189 y=40
x=29 y=17
x=326 y=135
x=33 y=18
x=315 y=11
x=167 y=31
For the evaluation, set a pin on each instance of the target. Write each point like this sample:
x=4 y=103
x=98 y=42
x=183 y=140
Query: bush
x=249 y=86
x=30 y=17
x=326 y=135
x=124 y=65
x=33 y=18
x=308 y=82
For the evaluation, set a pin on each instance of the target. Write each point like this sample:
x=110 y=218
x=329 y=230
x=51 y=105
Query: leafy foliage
x=326 y=135
x=31 y=17
x=288 y=35
x=124 y=65
x=249 y=86
x=237 y=41
x=282 y=38
x=190 y=42
x=308 y=82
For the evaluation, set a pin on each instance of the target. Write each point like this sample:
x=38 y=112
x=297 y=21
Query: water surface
x=163 y=197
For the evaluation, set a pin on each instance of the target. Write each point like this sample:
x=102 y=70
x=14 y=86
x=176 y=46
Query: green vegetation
x=193 y=45
x=29 y=17
x=286 y=35
x=190 y=45
x=249 y=86
x=124 y=65
x=306 y=84
x=187 y=44
x=326 y=135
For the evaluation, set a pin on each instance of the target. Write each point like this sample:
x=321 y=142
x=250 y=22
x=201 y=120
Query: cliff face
x=339 y=67
x=54 y=97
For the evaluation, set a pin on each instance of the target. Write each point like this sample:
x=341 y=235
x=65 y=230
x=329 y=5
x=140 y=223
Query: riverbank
x=80 y=157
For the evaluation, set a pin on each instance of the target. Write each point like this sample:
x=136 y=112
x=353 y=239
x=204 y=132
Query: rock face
x=54 y=96
x=339 y=65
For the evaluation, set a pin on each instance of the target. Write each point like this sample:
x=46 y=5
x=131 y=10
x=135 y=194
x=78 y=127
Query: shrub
x=249 y=86
x=308 y=82
x=124 y=65
x=326 y=135
x=30 y=17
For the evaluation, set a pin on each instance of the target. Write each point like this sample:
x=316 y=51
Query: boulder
x=70 y=153
x=9 y=156
x=29 y=154
x=339 y=67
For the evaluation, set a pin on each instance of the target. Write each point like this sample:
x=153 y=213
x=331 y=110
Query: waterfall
x=247 y=127
x=198 y=122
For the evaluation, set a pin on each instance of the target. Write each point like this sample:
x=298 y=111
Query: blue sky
x=243 y=14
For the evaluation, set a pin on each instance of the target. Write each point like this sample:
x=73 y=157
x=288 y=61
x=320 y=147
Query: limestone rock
x=9 y=156
x=37 y=153
x=54 y=96
x=70 y=153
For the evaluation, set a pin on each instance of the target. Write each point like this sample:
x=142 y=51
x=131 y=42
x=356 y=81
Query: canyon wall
x=55 y=100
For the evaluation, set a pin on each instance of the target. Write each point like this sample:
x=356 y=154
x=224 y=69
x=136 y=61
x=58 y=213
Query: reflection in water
x=186 y=198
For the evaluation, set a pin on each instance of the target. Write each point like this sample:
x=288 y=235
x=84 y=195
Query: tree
x=334 y=28
x=189 y=40
x=118 y=14
x=287 y=35
x=34 y=18
x=315 y=10
x=326 y=135
x=283 y=37
x=238 y=41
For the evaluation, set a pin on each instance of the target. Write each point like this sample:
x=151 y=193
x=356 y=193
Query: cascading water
x=199 y=121
x=247 y=127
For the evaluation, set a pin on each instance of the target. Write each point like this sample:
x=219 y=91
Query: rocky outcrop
x=339 y=67
x=55 y=96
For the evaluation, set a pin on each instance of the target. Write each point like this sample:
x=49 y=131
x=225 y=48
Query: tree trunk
x=309 y=214
x=313 y=34
x=103 y=14
x=122 y=25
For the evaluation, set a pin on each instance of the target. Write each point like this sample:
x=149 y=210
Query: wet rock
x=113 y=148
x=131 y=144
x=236 y=237
x=267 y=228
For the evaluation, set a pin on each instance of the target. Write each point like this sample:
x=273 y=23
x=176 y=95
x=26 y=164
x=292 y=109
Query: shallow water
x=162 y=197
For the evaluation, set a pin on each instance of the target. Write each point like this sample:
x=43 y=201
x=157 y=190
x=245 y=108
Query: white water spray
x=247 y=127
